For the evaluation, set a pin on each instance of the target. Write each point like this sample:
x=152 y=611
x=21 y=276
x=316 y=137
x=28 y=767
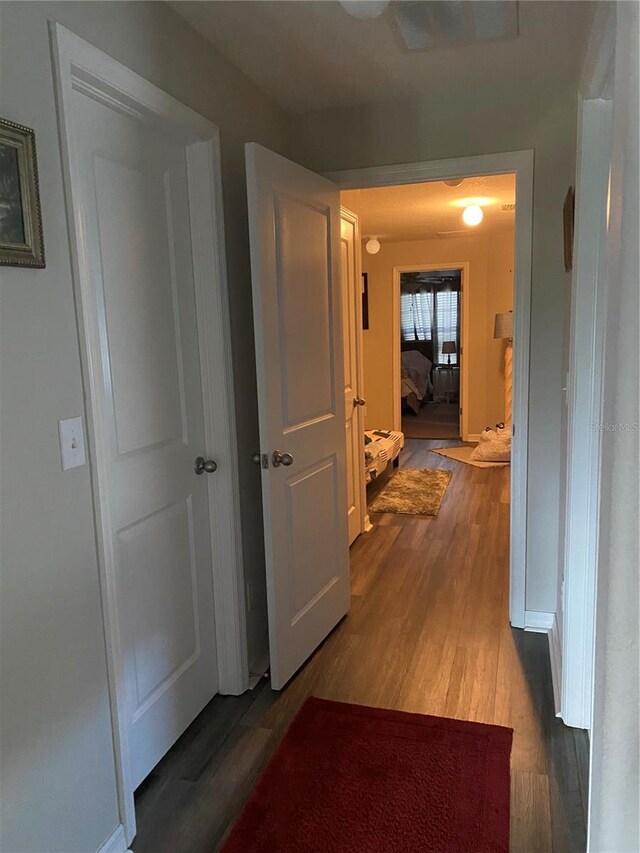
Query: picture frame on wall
x=568 y=216
x=365 y=300
x=21 y=242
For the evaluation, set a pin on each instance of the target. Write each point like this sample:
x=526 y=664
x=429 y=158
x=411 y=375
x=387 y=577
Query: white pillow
x=494 y=446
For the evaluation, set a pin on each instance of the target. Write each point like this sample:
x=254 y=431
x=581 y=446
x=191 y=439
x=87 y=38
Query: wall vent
x=507 y=208
x=429 y=24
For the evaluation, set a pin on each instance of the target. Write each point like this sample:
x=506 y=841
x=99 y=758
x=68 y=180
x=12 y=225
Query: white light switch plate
x=71 y=435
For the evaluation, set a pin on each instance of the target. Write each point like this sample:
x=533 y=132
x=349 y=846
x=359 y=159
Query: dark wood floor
x=428 y=632
x=434 y=420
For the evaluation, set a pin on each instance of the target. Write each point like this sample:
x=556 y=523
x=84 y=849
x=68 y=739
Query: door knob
x=358 y=401
x=205 y=465
x=279 y=459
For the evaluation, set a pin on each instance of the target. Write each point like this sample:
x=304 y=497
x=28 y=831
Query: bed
x=381 y=448
x=416 y=374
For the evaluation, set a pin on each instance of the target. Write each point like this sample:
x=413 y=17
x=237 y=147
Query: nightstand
x=446 y=383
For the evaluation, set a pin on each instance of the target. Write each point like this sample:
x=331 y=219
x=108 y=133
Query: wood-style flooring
x=428 y=632
x=434 y=420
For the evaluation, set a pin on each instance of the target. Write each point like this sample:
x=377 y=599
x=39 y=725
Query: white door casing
x=294 y=225
x=142 y=171
x=351 y=276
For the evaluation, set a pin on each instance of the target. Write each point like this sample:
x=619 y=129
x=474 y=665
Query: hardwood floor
x=434 y=420
x=428 y=632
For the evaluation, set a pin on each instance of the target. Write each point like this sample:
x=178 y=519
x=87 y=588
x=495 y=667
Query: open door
x=353 y=370
x=294 y=223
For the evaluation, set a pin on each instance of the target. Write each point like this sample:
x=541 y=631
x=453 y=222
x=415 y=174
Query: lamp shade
x=503 y=326
x=448 y=347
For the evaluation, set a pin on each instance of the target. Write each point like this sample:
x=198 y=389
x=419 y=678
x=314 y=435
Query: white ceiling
x=313 y=55
x=423 y=211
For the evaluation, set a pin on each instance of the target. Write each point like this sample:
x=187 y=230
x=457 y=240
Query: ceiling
x=425 y=211
x=312 y=55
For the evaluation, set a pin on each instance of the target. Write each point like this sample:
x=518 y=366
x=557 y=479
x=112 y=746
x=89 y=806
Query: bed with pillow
x=416 y=374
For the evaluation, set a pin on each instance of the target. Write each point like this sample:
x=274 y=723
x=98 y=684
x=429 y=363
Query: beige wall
x=490 y=289
x=57 y=773
x=455 y=123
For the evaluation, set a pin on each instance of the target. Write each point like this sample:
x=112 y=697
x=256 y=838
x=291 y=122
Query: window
x=430 y=311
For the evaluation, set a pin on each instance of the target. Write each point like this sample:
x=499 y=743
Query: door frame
x=463 y=266
x=520 y=163
x=585 y=377
x=81 y=67
x=345 y=213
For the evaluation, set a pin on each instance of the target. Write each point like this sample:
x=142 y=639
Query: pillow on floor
x=494 y=446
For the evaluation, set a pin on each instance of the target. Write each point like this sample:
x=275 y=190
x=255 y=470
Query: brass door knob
x=358 y=401
x=279 y=459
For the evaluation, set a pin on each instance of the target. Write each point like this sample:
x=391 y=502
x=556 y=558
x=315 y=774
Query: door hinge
x=513 y=429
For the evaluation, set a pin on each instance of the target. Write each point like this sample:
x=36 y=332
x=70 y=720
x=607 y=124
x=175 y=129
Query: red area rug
x=350 y=779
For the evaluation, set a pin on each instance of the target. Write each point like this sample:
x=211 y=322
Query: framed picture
x=365 y=300
x=568 y=215
x=20 y=218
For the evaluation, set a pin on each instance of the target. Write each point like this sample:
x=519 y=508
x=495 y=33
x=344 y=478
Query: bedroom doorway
x=461 y=216
x=429 y=314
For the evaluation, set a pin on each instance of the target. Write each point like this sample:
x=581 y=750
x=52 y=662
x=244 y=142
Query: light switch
x=71 y=435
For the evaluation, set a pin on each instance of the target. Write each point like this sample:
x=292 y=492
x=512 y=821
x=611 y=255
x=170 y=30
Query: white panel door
x=135 y=201
x=353 y=375
x=294 y=218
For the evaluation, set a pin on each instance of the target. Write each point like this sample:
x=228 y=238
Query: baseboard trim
x=115 y=843
x=542 y=622
x=472 y=436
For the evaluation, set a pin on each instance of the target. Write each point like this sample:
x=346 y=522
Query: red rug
x=351 y=779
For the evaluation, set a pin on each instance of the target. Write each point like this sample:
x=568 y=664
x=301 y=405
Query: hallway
x=428 y=632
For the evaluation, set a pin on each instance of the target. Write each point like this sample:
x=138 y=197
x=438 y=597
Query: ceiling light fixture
x=364 y=9
x=472 y=215
x=455 y=182
x=372 y=245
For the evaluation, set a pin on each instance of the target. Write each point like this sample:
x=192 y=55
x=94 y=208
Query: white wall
x=57 y=773
x=489 y=290
x=479 y=121
x=615 y=796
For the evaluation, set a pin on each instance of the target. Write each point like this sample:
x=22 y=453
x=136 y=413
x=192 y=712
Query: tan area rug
x=463 y=454
x=413 y=491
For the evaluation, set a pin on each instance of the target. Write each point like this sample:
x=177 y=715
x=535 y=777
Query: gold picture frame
x=21 y=243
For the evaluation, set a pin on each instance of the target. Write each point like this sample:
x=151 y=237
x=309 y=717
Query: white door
x=353 y=374
x=135 y=206
x=294 y=219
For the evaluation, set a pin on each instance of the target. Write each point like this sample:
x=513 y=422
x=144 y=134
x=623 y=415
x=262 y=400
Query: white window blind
x=431 y=314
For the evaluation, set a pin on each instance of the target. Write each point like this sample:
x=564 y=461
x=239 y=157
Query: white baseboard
x=367 y=524
x=115 y=843
x=472 y=436
x=542 y=622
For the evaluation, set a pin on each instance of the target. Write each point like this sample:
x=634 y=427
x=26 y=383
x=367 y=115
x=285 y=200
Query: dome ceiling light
x=364 y=9
x=472 y=215
x=372 y=245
